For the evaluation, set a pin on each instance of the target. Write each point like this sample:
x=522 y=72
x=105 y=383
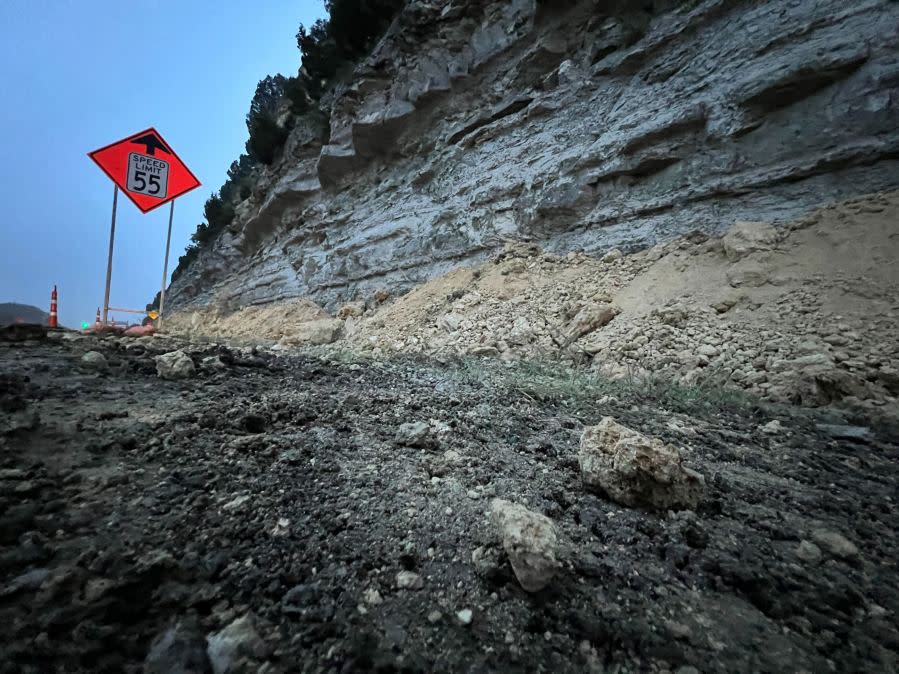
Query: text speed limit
x=148 y=175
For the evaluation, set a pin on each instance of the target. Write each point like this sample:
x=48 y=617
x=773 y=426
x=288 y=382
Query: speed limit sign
x=146 y=169
x=148 y=175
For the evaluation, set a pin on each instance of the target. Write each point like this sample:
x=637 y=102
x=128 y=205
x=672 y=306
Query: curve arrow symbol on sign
x=152 y=143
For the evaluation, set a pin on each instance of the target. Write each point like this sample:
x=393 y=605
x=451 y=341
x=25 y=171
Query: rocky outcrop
x=580 y=125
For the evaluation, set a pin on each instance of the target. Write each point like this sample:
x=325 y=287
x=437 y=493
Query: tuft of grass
x=547 y=381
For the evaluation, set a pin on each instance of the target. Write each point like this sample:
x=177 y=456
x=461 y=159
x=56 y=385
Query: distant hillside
x=11 y=312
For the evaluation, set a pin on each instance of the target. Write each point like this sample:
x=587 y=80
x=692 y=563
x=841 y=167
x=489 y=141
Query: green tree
x=296 y=92
x=320 y=57
x=240 y=175
x=266 y=135
x=355 y=25
x=219 y=213
x=201 y=235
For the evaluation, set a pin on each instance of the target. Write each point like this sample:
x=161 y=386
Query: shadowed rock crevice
x=502 y=110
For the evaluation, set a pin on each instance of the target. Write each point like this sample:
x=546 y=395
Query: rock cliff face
x=580 y=125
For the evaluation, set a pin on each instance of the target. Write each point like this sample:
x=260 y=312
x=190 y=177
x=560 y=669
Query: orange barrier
x=140 y=331
x=53 y=321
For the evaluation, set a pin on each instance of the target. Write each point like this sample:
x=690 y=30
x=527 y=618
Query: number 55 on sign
x=147 y=175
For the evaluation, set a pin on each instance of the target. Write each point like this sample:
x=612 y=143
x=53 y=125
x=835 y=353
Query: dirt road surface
x=271 y=512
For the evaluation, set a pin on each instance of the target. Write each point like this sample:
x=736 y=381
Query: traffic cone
x=54 y=320
x=98 y=315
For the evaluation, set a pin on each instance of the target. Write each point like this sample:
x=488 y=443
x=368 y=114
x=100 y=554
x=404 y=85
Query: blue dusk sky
x=76 y=75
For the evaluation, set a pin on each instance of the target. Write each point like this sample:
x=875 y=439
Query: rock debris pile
x=806 y=314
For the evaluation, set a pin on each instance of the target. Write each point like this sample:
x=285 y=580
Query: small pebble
x=409 y=580
x=808 y=551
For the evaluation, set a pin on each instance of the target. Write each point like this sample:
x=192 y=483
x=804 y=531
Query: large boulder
x=744 y=238
x=636 y=470
x=175 y=365
x=529 y=540
x=321 y=331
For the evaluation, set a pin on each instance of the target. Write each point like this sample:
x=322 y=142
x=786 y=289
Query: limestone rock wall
x=580 y=125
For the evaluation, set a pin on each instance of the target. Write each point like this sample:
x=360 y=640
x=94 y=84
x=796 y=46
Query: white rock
x=451 y=322
x=95 y=360
x=808 y=551
x=636 y=470
x=813 y=360
x=180 y=649
x=414 y=434
x=235 y=503
x=529 y=540
x=521 y=332
x=452 y=456
x=835 y=543
x=772 y=427
x=409 y=580
x=175 y=365
x=319 y=331
x=612 y=255
x=591 y=318
x=372 y=597
x=748 y=273
x=351 y=310
x=569 y=73
x=281 y=528
x=744 y=238
x=214 y=363
x=236 y=647
x=465 y=616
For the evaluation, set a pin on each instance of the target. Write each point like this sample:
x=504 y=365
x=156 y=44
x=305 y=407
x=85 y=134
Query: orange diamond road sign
x=145 y=168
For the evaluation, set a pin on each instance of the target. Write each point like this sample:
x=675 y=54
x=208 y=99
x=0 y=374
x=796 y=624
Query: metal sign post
x=115 y=199
x=165 y=266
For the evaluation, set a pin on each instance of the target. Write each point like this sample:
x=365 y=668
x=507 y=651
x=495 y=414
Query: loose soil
x=272 y=486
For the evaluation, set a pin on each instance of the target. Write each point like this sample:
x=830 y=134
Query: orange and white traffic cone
x=53 y=322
